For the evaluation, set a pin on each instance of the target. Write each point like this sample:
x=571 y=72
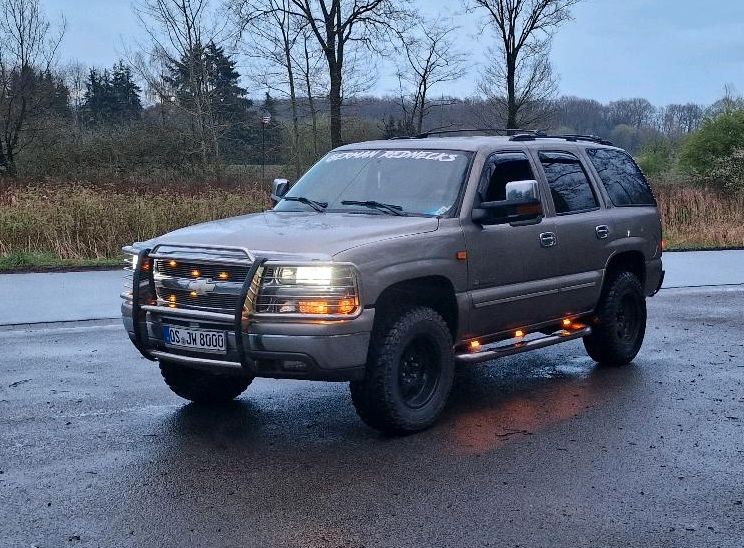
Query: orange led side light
x=519 y=334
x=462 y=255
x=313 y=307
x=346 y=306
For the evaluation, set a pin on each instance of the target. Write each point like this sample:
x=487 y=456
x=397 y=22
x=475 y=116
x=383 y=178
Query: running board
x=487 y=354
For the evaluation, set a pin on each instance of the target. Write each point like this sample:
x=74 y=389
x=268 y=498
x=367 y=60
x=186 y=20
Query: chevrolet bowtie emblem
x=202 y=286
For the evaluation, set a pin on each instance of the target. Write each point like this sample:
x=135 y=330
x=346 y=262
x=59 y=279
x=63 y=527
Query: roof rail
x=443 y=131
x=573 y=137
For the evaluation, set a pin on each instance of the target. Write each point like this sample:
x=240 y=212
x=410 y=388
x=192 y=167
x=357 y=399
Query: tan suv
x=390 y=261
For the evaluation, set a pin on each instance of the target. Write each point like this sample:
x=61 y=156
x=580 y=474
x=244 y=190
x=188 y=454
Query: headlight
x=309 y=290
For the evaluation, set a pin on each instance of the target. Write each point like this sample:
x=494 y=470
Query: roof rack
x=444 y=131
x=573 y=137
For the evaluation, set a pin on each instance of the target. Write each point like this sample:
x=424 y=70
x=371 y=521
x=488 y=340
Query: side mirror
x=522 y=204
x=278 y=189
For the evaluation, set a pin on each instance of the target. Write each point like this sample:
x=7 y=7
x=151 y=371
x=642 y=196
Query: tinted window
x=622 y=178
x=500 y=169
x=569 y=184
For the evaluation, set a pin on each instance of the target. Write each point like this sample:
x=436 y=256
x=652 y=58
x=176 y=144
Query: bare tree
x=636 y=112
x=524 y=78
x=76 y=74
x=336 y=24
x=430 y=58
x=270 y=34
x=28 y=48
x=313 y=81
x=179 y=30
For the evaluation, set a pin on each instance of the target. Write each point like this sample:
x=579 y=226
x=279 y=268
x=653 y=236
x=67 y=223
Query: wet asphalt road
x=543 y=449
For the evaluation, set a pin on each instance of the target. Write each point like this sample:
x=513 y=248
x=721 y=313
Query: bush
x=657 y=157
x=711 y=153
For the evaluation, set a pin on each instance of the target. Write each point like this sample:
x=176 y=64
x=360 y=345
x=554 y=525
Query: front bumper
x=320 y=350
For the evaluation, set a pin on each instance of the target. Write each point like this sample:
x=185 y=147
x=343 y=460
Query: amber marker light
x=194 y=294
x=172 y=263
x=475 y=346
x=313 y=307
x=566 y=322
x=195 y=273
x=519 y=333
x=462 y=255
x=172 y=301
x=223 y=276
x=346 y=306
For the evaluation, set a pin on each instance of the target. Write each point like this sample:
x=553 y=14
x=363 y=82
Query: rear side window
x=569 y=184
x=622 y=178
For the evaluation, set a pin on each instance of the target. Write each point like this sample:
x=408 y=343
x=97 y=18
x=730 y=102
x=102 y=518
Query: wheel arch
x=632 y=261
x=436 y=292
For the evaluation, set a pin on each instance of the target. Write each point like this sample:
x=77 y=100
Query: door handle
x=602 y=232
x=548 y=239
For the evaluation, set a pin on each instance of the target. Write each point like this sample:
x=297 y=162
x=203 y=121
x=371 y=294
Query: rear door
x=511 y=267
x=581 y=229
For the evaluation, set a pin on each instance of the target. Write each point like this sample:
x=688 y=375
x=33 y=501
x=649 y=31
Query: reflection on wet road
x=542 y=449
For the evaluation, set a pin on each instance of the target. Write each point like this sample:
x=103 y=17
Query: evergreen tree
x=207 y=78
x=111 y=97
x=125 y=94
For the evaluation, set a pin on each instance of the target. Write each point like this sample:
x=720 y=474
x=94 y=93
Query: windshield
x=417 y=182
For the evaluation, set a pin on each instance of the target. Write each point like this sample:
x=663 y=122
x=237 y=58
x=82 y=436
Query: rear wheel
x=409 y=372
x=620 y=326
x=200 y=386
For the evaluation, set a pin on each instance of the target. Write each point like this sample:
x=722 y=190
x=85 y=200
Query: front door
x=511 y=266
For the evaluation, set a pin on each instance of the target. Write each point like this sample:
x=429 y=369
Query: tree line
x=179 y=103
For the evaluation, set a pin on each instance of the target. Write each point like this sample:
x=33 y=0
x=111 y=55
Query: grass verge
x=46 y=262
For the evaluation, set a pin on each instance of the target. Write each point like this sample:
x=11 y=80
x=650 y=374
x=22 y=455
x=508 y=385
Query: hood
x=291 y=234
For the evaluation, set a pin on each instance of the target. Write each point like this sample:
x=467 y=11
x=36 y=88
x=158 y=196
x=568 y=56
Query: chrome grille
x=189 y=283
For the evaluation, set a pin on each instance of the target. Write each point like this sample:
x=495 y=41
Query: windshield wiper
x=389 y=208
x=317 y=206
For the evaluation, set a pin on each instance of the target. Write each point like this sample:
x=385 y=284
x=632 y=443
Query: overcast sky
x=664 y=50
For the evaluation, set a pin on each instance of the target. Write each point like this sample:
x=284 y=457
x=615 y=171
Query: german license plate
x=195 y=339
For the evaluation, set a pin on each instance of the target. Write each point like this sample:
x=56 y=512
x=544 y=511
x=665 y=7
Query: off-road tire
x=620 y=322
x=200 y=386
x=386 y=399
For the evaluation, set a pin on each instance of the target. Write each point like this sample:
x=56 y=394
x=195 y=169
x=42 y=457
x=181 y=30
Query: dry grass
x=74 y=224
x=700 y=218
x=77 y=222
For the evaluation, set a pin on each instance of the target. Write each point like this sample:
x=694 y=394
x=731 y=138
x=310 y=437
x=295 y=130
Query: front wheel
x=617 y=333
x=200 y=386
x=409 y=373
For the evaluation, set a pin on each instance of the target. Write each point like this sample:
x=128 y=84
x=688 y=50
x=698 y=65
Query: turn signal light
x=343 y=306
x=346 y=306
x=519 y=334
x=566 y=322
x=195 y=273
x=172 y=301
x=172 y=263
x=475 y=346
x=194 y=294
x=313 y=307
x=223 y=276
